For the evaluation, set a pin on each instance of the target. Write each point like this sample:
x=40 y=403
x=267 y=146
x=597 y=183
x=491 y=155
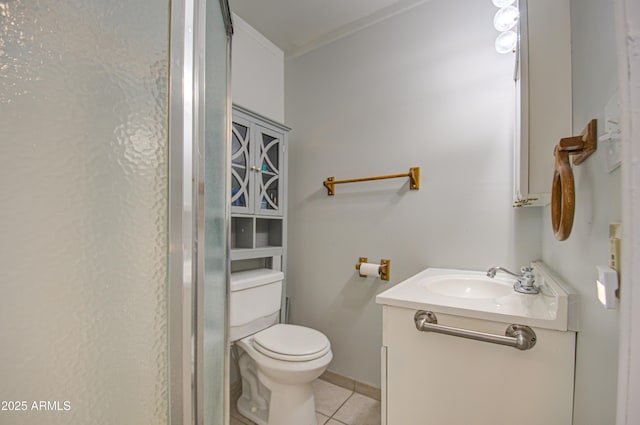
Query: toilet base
x=249 y=411
x=288 y=405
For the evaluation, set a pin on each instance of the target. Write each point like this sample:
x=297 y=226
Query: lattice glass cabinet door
x=257 y=152
x=269 y=163
x=242 y=166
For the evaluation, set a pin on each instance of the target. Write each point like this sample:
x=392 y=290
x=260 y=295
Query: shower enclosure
x=113 y=218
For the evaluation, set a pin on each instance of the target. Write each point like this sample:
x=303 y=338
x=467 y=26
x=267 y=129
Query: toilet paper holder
x=384 y=268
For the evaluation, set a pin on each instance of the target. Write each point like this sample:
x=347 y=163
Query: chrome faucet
x=525 y=280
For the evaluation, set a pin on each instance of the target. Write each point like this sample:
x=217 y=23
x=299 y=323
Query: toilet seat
x=291 y=343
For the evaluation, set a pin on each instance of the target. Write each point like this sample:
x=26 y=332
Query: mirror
x=543 y=96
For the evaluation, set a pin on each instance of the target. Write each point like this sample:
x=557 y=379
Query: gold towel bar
x=413 y=174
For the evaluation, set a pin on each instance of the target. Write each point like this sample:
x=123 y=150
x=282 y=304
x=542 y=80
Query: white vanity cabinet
x=432 y=378
x=543 y=96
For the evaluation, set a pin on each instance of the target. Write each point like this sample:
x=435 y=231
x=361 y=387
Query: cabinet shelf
x=268 y=232
x=248 y=253
x=250 y=232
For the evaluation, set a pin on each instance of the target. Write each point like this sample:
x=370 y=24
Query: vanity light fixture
x=506 y=42
x=504 y=21
x=506 y=18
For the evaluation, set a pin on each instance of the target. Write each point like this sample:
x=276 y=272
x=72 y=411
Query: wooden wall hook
x=582 y=146
x=563 y=196
x=563 y=193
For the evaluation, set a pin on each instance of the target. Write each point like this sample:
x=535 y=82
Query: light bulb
x=506 y=42
x=502 y=3
x=506 y=18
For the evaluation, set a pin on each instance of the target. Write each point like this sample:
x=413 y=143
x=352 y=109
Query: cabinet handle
x=517 y=336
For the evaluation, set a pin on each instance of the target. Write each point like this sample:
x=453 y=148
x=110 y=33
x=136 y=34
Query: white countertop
x=555 y=307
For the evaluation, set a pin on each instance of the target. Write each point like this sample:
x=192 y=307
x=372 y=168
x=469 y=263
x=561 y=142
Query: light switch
x=607 y=286
x=615 y=242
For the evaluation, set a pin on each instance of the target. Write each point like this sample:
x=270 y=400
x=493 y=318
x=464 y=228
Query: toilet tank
x=254 y=301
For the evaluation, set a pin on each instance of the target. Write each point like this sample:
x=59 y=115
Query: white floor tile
x=359 y=410
x=329 y=397
x=322 y=419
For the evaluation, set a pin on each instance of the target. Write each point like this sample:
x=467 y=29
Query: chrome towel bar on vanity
x=516 y=336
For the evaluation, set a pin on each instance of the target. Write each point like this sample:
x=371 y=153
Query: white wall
x=400 y=94
x=257 y=72
x=409 y=91
x=598 y=202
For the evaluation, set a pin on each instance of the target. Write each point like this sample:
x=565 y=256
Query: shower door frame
x=179 y=395
x=186 y=209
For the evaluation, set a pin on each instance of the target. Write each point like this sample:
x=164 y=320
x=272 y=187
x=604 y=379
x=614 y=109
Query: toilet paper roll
x=370 y=269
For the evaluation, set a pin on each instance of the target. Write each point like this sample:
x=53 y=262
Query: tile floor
x=334 y=406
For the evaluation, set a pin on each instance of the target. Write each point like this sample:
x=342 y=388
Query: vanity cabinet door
x=436 y=379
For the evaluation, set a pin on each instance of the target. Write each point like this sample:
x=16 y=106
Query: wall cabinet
x=431 y=378
x=543 y=96
x=258 y=186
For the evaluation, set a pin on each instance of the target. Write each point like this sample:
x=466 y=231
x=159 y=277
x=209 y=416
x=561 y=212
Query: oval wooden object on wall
x=562 y=197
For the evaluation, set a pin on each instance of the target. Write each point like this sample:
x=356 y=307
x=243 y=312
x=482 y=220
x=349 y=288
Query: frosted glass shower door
x=84 y=182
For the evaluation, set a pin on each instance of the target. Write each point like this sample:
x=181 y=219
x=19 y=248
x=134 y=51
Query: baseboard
x=351 y=384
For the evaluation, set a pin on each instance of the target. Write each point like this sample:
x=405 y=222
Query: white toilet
x=277 y=362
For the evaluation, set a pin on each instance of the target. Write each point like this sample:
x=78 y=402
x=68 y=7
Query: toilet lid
x=291 y=343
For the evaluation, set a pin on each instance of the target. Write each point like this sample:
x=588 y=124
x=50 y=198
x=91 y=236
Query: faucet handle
x=526 y=269
x=525 y=283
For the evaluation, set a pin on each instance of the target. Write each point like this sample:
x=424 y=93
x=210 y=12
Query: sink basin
x=461 y=286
